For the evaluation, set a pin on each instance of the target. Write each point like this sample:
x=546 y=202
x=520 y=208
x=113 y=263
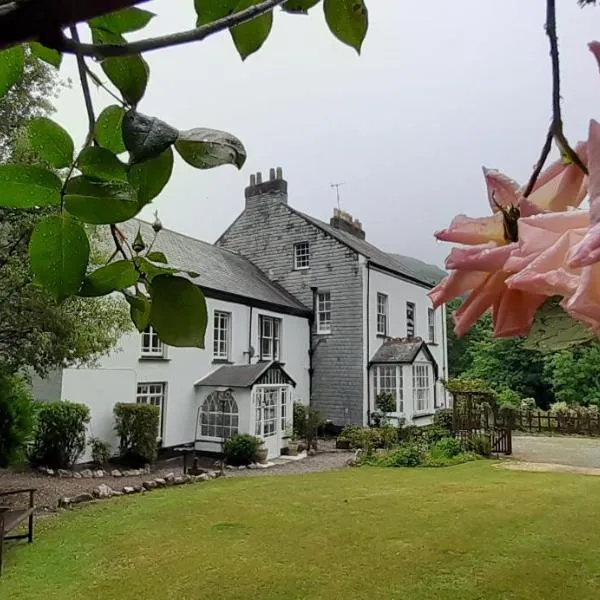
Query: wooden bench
x=11 y=518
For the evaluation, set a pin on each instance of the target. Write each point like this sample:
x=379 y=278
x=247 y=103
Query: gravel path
x=574 y=451
x=51 y=489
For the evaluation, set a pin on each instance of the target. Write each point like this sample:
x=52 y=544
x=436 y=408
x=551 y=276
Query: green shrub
x=366 y=438
x=137 y=428
x=60 y=434
x=388 y=436
x=507 y=396
x=101 y=451
x=464 y=384
x=528 y=404
x=241 y=449
x=410 y=433
x=478 y=444
x=17 y=419
x=432 y=460
x=445 y=448
x=443 y=419
x=307 y=423
x=299 y=423
x=385 y=403
x=430 y=434
x=508 y=414
x=407 y=455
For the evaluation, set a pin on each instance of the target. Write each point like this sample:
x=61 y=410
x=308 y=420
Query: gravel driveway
x=51 y=489
x=575 y=451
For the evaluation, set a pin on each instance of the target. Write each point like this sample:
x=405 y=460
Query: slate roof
x=219 y=269
x=398 y=351
x=378 y=257
x=431 y=273
x=237 y=376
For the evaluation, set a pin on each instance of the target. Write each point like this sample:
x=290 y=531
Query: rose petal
x=501 y=190
x=470 y=231
x=486 y=257
x=454 y=285
x=514 y=313
x=585 y=302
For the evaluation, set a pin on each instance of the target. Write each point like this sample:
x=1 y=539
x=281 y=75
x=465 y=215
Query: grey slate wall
x=266 y=233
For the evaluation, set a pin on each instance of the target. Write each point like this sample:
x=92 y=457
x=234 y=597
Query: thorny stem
x=115 y=236
x=101 y=84
x=73 y=46
x=556 y=127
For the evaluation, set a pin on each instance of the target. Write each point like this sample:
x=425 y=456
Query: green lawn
x=459 y=533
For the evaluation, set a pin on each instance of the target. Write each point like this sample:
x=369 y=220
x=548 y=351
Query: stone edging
x=93 y=473
x=103 y=491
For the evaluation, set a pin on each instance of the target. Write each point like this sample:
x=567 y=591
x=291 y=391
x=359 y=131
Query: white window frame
x=323 y=313
x=273 y=337
x=410 y=325
x=221 y=335
x=431 y=316
x=219 y=411
x=389 y=378
x=382 y=314
x=151 y=344
x=154 y=393
x=302 y=256
x=422 y=388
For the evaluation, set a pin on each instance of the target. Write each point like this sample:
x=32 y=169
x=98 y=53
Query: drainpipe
x=250 y=338
x=444 y=352
x=311 y=346
x=368 y=344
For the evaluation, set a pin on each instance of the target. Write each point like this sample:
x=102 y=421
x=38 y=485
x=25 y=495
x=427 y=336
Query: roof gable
x=403 y=351
x=245 y=376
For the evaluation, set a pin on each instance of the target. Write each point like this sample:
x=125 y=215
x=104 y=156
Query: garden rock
x=85 y=497
x=203 y=477
x=128 y=489
x=160 y=482
x=179 y=481
x=150 y=485
x=170 y=477
x=98 y=474
x=242 y=468
x=64 y=502
x=132 y=473
x=312 y=452
x=86 y=473
x=76 y=475
x=229 y=467
x=64 y=473
x=116 y=473
x=117 y=493
x=139 y=489
x=104 y=491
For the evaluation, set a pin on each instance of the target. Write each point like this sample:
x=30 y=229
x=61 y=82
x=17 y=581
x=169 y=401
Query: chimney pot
x=279 y=173
x=271 y=174
x=259 y=178
x=253 y=179
x=271 y=191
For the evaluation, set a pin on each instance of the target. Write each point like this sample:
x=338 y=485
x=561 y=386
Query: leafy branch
x=73 y=46
x=555 y=132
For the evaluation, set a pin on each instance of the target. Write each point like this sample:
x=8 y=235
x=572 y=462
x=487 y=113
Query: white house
x=254 y=366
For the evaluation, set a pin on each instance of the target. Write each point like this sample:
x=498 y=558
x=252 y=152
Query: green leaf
x=139 y=310
x=50 y=142
x=150 y=177
x=12 y=62
x=207 y=148
x=348 y=20
x=157 y=257
x=100 y=203
x=299 y=6
x=553 y=329
x=129 y=74
x=48 y=55
x=123 y=21
x=118 y=275
x=178 y=312
x=213 y=10
x=59 y=251
x=99 y=163
x=26 y=186
x=150 y=271
x=249 y=37
x=108 y=130
x=146 y=137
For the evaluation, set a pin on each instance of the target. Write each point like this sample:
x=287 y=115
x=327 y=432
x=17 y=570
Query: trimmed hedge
x=60 y=434
x=241 y=449
x=137 y=428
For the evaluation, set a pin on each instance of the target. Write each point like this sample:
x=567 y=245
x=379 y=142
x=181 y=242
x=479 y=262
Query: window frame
x=217 y=414
x=302 y=255
x=431 y=328
x=275 y=345
x=381 y=374
x=411 y=322
x=226 y=356
x=151 y=350
x=423 y=377
x=323 y=325
x=148 y=395
x=382 y=313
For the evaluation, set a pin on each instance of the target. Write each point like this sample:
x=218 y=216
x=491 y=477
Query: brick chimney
x=272 y=190
x=344 y=221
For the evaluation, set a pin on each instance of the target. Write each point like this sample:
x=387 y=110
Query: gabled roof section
x=372 y=253
x=243 y=376
x=219 y=270
x=402 y=351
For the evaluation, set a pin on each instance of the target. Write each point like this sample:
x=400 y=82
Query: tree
x=36 y=331
x=575 y=375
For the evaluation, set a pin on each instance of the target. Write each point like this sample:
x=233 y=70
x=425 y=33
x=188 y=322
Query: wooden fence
x=537 y=422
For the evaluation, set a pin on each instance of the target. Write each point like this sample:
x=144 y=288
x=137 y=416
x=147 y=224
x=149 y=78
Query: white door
x=270 y=418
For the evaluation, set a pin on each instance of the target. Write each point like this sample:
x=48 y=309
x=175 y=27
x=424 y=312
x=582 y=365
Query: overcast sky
x=440 y=89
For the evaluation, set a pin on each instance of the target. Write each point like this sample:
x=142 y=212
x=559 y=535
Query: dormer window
x=301 y=256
